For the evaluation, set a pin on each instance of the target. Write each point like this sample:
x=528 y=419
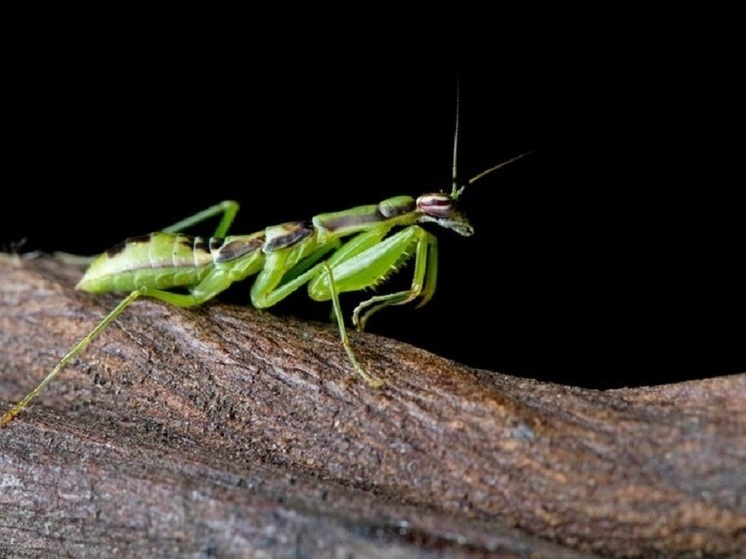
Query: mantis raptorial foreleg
x=366 y=260
x=360 y=263
x=424 y=279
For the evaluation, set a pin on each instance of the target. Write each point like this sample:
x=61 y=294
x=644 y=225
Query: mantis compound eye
x=436 y=205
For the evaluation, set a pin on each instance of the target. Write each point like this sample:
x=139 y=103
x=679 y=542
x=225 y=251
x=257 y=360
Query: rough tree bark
x=226 y=431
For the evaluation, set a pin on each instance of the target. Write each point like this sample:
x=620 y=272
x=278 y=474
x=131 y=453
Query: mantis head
x=442 y=208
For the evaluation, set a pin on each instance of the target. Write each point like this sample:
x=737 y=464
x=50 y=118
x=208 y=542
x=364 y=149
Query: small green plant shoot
x=284 y=257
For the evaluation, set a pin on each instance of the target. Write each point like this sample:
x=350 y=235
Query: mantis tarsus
x=285 y=257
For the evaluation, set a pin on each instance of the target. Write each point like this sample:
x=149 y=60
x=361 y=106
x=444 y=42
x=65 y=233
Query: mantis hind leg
x=216 y=282
x=228 y=208
x=8 y=416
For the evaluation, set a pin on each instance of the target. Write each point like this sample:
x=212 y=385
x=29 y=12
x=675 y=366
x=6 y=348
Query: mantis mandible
x=284 y=257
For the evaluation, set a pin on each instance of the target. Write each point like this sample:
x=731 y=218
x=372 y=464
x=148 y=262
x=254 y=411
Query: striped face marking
x=436 y=205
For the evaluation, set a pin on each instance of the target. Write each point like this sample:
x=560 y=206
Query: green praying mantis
x=333 y=253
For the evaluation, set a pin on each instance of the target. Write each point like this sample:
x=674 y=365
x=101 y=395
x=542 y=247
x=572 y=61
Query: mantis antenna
x=454 y=179
x=475 y=178
x=457 y=190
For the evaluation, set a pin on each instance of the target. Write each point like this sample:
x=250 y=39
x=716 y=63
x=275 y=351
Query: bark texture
x=230 y=432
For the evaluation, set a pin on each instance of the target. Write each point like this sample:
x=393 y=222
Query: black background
x=611 y=256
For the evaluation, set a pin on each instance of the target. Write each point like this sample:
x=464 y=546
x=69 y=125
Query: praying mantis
x=332 y=253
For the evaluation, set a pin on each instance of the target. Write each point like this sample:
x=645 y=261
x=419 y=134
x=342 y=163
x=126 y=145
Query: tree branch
x=229 y=431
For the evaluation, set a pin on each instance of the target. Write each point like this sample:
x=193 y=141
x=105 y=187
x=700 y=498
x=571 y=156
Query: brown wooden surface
x=226 y=431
